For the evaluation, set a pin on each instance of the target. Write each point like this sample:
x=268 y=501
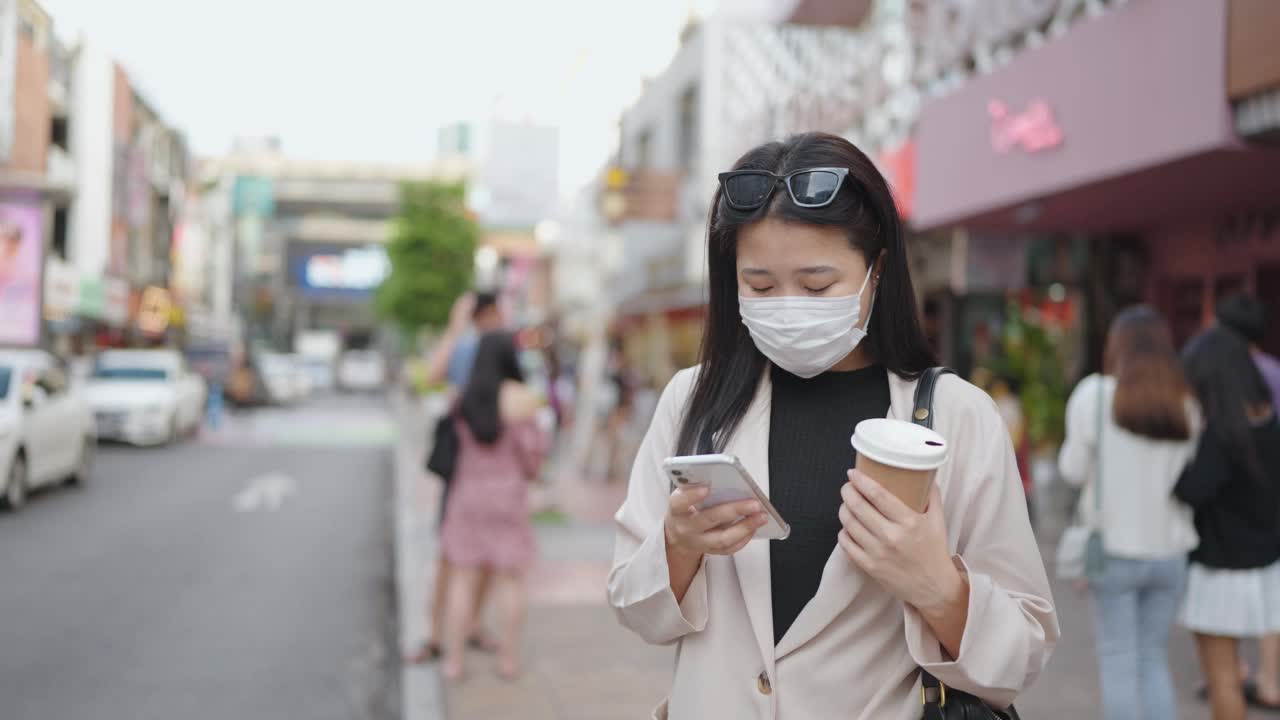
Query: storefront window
x=1227 y=285
x=1185 y=300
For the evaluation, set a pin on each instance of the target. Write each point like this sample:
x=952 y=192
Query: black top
x=810 y=424
x=1237 y=517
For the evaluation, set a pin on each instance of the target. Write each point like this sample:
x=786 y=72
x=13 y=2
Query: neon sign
x=1033 y=129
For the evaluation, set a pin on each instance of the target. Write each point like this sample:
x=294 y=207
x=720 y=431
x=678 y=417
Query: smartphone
x=729 y=482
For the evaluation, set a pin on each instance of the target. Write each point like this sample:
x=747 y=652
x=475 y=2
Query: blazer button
x=762 y=683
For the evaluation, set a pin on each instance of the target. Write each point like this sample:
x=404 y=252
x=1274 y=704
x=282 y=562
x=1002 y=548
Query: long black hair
x=1229 y=386
x=495 y=363
x=864 y=208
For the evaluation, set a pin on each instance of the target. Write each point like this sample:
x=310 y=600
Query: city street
x=247 y=574
x=244 y=574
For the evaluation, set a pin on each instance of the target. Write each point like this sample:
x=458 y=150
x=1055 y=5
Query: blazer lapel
x=841 y=579
x=751 y=445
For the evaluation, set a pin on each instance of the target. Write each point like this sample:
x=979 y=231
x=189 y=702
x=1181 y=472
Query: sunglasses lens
x=748 y=190
x=814 y=188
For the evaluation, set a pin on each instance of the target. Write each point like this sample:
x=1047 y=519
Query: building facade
x=1117 y=176
x=37 y=177
x=298 y=244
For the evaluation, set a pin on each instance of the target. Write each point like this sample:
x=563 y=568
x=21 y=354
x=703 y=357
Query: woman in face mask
x=811 y=328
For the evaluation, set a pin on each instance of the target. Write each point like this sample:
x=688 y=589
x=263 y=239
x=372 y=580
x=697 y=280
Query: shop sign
x=155 y=310
x=1033 y=129
x=91 y=298
x=61 y=289
x=115 y=307
x=253 y=196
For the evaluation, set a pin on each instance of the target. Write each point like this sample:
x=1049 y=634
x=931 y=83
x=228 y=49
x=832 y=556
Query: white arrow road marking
x=265 y=492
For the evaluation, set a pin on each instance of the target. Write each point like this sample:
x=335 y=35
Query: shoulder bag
x=941 y=702
x=443 y=459
x=1081 y=554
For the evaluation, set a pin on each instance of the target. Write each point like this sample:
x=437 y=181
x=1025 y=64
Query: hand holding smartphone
x=727 y=481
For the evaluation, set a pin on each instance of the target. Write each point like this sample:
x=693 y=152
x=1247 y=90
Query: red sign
x=1033 y=129
x=899 y=168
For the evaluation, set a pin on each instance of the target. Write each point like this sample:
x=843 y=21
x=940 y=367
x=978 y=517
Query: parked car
x=145 y=397
x=319 y=350
x=303 y=382
x=278 y=375
x=361 y=370
x=46 y=428
x=320 y=372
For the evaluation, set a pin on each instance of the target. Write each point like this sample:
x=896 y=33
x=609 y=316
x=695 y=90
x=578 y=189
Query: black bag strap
x=933 y=694
x=922 y=414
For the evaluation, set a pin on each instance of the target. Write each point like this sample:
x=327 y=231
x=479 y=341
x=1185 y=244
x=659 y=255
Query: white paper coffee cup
x=901 y=456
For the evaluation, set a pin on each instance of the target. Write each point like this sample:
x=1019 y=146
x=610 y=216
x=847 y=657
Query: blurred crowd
x=1178 y=458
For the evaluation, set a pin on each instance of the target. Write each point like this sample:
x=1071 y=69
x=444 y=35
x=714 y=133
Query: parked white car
x=320 y=372
x=46 y=429
x=361 y=370
x=302 y=378
x=145 y=397
x=280 y=378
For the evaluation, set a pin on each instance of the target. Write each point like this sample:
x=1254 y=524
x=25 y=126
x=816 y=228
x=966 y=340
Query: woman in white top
x=1138 y=422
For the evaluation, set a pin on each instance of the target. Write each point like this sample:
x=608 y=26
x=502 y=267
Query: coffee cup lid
x=899 y=444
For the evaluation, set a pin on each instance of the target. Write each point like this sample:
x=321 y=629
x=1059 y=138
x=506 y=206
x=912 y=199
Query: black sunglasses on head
x=808 y=188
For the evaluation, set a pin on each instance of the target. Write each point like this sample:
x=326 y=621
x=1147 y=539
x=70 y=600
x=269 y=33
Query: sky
x=373 y=80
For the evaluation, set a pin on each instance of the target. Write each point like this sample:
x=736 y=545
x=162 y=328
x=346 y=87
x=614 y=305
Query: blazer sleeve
x=1012 y=626
x=1076 y=458
x=639 y=585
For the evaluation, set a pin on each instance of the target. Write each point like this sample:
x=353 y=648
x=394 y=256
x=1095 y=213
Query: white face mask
x=806 y=336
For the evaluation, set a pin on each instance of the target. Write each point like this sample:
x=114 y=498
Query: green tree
x=1033 y=356
x=432 y=251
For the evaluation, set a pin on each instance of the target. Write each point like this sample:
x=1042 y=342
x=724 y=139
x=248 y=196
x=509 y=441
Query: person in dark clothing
x=1248 y=317
x=1233 y=484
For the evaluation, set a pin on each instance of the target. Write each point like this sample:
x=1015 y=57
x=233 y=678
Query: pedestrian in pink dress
x=486 y=525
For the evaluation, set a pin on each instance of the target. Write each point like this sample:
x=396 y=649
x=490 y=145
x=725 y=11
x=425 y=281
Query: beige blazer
x=855 y=650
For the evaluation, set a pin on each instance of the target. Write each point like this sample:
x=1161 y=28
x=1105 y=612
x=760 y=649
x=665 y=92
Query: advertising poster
x=20 y=256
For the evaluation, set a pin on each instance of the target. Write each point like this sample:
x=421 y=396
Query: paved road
x=149 y=595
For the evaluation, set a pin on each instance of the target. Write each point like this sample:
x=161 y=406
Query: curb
x=421 y=689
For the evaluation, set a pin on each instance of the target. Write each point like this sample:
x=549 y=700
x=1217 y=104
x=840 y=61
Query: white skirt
x=1232 y=603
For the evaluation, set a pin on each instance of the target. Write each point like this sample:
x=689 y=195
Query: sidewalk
x=579 y=663
x=415 y=496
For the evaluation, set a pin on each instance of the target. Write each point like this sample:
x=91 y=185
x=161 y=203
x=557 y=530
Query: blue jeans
x=1135 y=603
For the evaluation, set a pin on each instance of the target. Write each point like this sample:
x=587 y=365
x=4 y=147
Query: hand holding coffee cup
x=901 y=456
x=894 y=528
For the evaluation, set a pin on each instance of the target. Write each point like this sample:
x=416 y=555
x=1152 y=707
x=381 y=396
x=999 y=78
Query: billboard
x=21 y=252
x=351 y=273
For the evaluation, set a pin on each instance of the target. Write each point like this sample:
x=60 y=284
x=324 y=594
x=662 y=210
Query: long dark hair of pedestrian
x=495 y=363
x=1229 y=388
x=731 y=366
x=1151 y=389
